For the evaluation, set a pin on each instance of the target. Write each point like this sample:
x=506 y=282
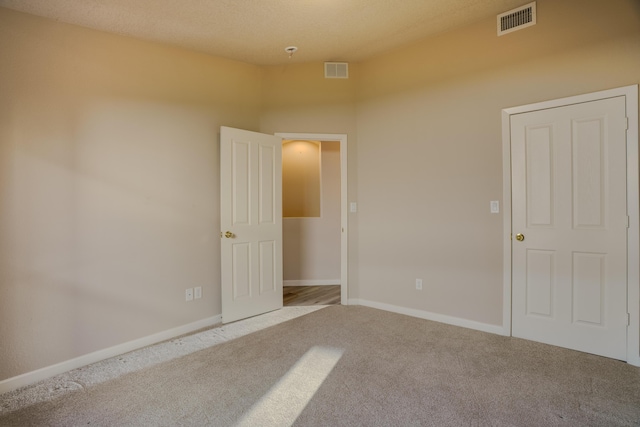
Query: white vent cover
x=517 y=19
x=336 y=70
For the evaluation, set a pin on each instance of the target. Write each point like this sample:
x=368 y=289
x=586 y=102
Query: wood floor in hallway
x=311 y=295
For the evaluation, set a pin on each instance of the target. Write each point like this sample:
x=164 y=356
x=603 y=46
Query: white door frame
x=633 y=207
x=344 y=238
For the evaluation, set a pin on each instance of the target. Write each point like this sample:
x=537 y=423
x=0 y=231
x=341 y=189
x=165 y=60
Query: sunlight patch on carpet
x=112 y=368
x=286 y=400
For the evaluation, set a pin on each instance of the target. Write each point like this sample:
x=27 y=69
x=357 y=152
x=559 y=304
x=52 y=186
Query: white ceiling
x=257 y=31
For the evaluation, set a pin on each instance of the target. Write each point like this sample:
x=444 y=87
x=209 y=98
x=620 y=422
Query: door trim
x=344 y=237
x=633 y=207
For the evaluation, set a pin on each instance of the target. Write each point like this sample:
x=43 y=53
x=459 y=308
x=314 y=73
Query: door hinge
x=626 y=126
x=628 y=319
x=628 y=221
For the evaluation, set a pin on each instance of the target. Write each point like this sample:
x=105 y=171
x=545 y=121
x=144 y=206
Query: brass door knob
x=228 y=234
x=519 y=237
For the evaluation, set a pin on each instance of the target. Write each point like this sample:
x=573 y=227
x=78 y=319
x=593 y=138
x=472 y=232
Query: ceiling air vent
x=517 y=19
x=336 y=70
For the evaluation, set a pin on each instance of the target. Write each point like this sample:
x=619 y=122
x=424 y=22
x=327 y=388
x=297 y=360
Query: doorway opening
x=314 y=173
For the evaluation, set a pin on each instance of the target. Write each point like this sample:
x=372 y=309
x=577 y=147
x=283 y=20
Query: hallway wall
x=311 y=246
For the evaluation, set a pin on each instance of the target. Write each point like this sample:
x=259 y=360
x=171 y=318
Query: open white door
x=251 y=223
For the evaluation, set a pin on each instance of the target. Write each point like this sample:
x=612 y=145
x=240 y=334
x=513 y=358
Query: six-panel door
x=251 y=223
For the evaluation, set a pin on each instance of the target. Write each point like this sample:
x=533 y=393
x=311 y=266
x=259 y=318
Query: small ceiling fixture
x=291 y=50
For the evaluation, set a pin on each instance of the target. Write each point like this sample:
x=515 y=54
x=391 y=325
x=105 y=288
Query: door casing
x=633 y=201
x=344 y=237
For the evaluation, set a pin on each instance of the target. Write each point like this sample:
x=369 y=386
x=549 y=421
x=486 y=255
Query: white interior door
x=251 y=223
x=569 y=285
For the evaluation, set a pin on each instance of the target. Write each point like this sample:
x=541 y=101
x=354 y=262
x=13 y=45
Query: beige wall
x=311 y=246
x=108 y=186
x=301 y=179
x=429 y=146
x=109 y=166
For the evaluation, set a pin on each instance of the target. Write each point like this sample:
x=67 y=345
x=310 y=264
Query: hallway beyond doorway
x=311 y=295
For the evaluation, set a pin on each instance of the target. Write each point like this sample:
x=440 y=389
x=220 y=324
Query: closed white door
x=251 y=223
x=569 y=224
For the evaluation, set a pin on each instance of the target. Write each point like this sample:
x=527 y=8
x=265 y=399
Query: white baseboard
x=634 y=360
x=47 y=372
x=311 y=282
x=449 y=320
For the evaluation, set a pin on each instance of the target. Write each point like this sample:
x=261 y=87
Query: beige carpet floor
x=115 y=367
x=357 y=366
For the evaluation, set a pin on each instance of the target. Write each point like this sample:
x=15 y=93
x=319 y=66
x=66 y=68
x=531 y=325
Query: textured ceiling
x=257 y=31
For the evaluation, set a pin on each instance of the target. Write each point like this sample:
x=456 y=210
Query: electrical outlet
x=197 y=292
x=188 y=295
x=418 y=284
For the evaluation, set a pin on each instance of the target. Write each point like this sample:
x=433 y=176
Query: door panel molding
x=633 y=205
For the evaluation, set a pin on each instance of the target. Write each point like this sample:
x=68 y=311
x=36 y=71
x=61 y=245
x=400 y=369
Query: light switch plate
x=495 y=206
x=353 y=207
